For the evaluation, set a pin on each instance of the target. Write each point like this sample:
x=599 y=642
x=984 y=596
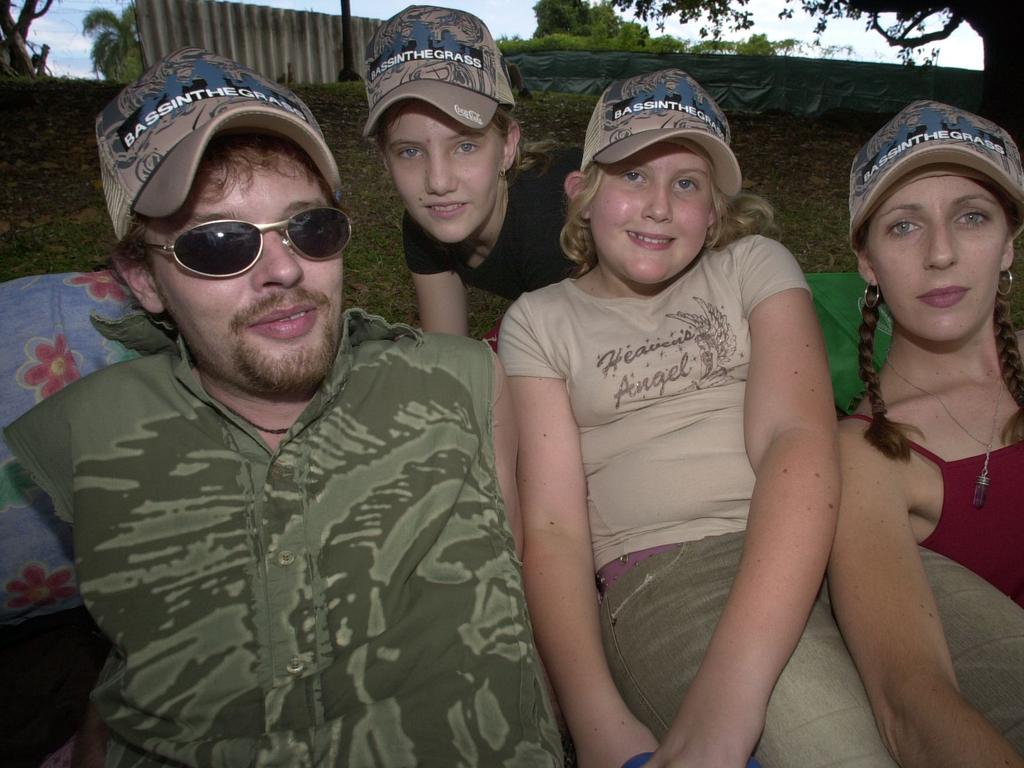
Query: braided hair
x=889 y=437
x=1011 y=367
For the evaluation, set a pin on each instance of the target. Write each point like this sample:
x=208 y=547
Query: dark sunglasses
x=229 y=248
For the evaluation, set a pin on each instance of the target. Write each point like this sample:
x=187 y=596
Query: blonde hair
x=735 y=217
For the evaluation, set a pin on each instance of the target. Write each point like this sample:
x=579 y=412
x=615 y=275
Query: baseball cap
x=930 y=133
x=442 y=56
x=153 y=134
x=635 y=113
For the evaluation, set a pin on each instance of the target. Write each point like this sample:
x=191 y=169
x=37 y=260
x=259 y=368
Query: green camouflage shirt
x=352 y=599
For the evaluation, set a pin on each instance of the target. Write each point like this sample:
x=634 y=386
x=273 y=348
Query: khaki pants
x=657 y=621
x=985 y=633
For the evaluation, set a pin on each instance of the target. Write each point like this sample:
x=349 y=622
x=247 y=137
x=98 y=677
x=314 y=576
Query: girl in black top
x=475 y=213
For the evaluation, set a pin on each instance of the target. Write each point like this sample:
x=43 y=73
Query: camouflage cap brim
x=667 y=105
x=173 y=111
x=460 y=104
x=725 y=169
x=925 y=134
x=166 y=190
x=423 y=47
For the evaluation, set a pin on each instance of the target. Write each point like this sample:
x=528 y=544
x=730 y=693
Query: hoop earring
x=501 y=173
x=1005 y=278
x=872 y=296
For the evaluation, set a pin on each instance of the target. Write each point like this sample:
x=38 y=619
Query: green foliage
x=115 y=48
x=561 y=16
x=604 y=22
x=575 y=25
x=760 y=45
x=564 y=42
x=755 y=45
x=634 y=38
x=912 y=31
x=719 y=13
x=576 y=20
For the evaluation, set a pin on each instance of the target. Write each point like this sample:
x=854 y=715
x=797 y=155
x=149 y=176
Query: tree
x=115 y=45
x=554 y=16
x=599 y=28
x=602 y=21
x=348 y=66
x=598 y=23
x=997 y=22
x=15 y=58
x=755 y=45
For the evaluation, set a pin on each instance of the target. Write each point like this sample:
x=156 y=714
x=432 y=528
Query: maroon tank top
x=990 y=540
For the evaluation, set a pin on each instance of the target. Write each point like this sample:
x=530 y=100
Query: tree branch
x=28 y=15
x=903 y=40
x=46 y=7
x=6 y=20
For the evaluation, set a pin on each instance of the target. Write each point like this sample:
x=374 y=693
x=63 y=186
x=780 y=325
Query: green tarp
x=762 y=83
x=837 y=300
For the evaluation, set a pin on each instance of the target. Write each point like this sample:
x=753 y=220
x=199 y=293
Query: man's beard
x=298 y=372
x=246 y=368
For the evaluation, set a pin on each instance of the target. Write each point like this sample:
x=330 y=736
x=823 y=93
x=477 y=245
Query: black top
x=527 y=255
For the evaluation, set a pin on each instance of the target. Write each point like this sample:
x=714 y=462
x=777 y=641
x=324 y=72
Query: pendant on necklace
x=980 y=489
x=982 y=482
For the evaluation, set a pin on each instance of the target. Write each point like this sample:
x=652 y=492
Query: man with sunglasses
x=289 y=519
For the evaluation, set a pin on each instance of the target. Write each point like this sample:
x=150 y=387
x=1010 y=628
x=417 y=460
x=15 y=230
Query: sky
x=61 y=28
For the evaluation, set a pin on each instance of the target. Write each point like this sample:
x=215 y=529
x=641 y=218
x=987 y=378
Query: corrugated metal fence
x=289 y=46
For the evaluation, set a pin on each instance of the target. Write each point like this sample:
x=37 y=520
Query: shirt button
x=285 y=557
x=295 y=666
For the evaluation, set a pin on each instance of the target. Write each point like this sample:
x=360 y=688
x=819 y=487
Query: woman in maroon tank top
x=931 y=497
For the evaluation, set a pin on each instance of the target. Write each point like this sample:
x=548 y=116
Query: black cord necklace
x=252 y=423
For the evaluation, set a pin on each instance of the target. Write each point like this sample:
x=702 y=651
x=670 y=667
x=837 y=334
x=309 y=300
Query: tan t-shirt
x=656 y=386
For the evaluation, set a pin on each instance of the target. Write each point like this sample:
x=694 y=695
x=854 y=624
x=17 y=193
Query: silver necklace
x=982 y=481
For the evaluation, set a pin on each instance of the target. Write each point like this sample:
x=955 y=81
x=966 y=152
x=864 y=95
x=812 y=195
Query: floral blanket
x=48 y=343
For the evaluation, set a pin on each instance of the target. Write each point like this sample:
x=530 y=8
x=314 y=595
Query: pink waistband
x=609 y=573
